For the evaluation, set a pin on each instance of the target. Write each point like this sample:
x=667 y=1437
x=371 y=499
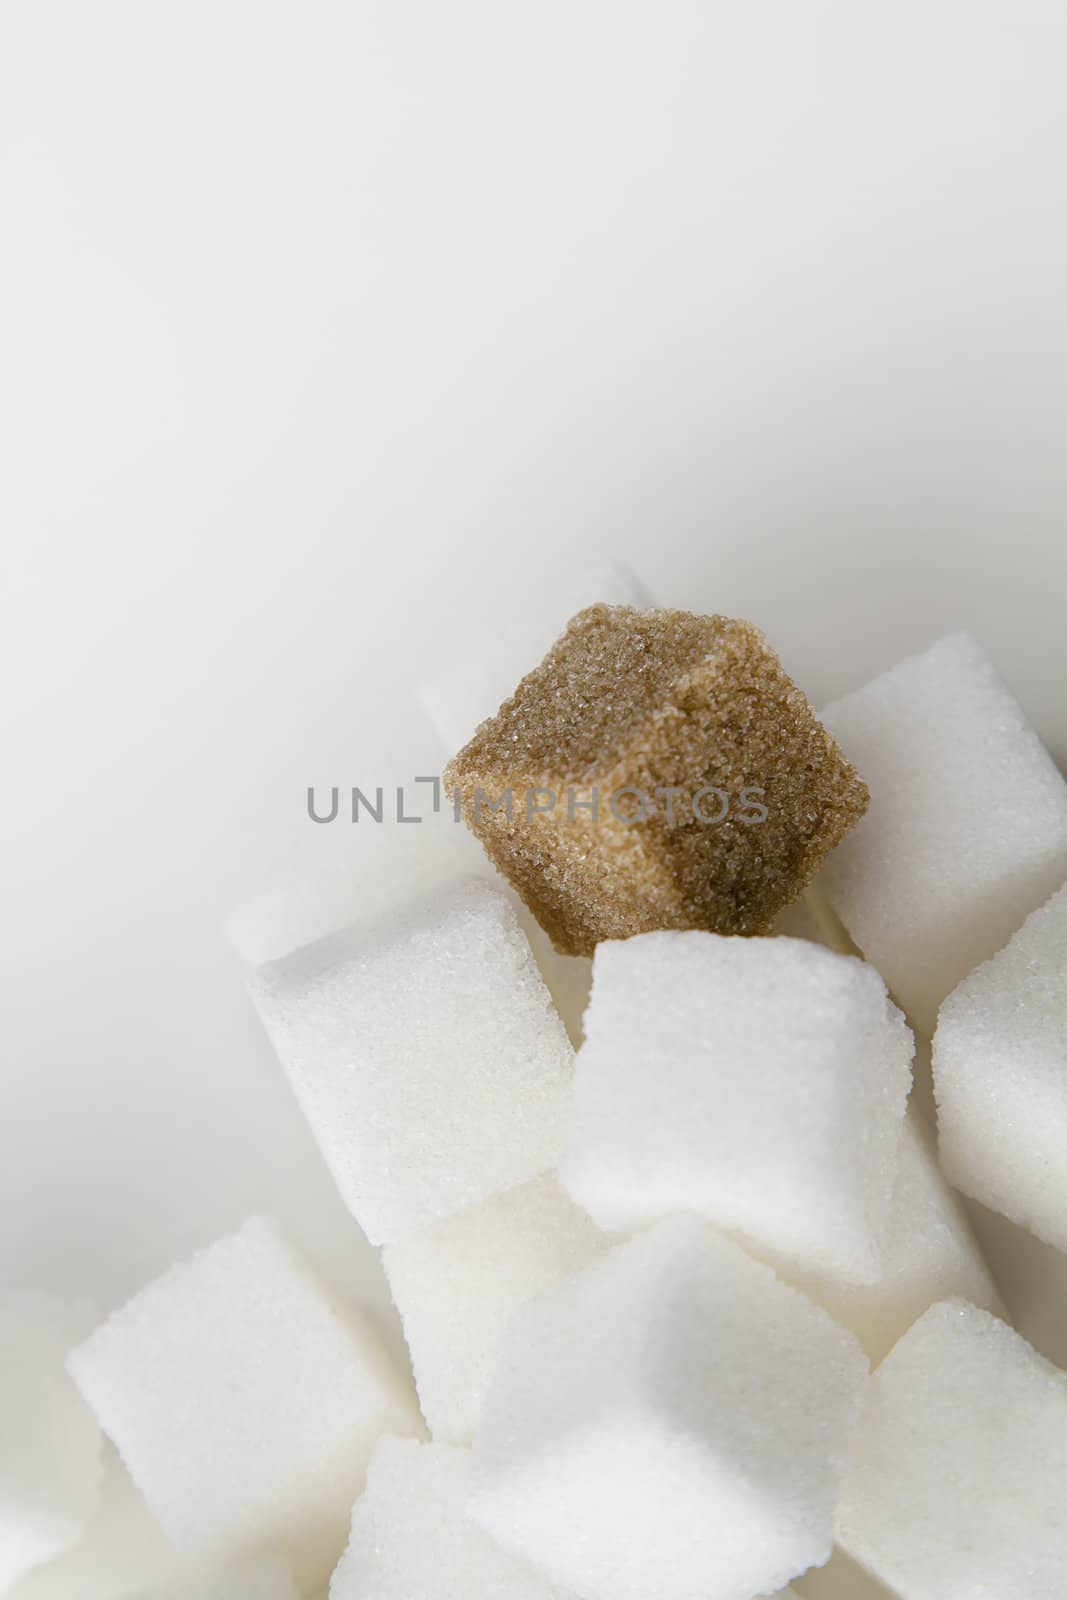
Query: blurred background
x=333 y=337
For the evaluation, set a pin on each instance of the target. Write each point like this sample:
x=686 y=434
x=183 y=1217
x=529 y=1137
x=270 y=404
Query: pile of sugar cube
x=692 y=1301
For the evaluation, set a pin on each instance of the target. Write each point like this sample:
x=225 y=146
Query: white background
x=330 y=332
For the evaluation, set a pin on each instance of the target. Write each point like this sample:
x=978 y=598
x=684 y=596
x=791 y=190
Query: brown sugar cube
x=657 y=770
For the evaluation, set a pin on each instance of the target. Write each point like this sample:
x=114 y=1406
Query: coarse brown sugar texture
x=657 y=770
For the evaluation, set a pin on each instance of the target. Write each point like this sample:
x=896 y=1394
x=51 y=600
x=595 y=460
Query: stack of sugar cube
x=642 y=1286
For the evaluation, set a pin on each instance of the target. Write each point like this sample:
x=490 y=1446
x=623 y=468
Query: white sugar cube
x=477 y=685
x=967 y=827
x=410 y=1539
x=670 y=1421
x=355 y=871
x=930 y=1253
x=457 y=1285
x=123 y=1551
x=759 y=1082
x=245 y=1400
x=426 y=1054
x=955 y=1486
x=49 y=1443
x=267 y=1578
x=1000 y=1077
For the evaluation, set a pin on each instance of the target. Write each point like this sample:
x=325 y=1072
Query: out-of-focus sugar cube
x=122 y=1552
x=50 y=1463
x=457 y=1286
x=1000 y=1077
